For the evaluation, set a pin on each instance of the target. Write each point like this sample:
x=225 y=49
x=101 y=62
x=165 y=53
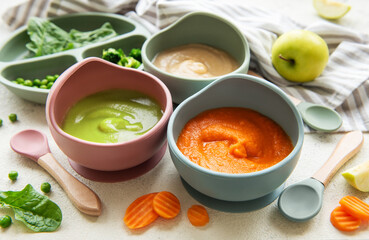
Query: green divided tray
x=17 y=61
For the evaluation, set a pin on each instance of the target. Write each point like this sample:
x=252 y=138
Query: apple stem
x=285 y=59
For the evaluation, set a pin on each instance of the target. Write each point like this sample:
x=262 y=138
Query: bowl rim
x=50 y=116
x=245 y=43
x=182 y=158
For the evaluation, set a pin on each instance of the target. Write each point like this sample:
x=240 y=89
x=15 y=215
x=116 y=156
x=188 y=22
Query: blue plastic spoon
x=317 y=116
x=303 y=200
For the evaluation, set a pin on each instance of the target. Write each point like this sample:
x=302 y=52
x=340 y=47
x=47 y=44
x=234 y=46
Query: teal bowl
x=237 y=90
x=195 y=27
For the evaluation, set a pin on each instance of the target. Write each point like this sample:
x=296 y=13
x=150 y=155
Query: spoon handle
x=81 y=196
x=346 y=148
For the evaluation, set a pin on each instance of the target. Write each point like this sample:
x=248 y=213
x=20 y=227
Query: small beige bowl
x=196 y=27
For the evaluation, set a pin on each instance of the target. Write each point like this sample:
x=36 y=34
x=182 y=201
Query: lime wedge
x=331 y=9
x=358 y=176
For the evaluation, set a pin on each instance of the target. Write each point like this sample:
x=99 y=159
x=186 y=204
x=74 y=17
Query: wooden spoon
x=33 y=144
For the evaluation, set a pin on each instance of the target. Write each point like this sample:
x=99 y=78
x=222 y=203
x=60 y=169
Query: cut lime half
x=358 y=176
x=331 y=9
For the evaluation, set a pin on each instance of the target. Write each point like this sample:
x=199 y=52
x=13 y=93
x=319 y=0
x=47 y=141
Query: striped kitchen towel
x=344 y=84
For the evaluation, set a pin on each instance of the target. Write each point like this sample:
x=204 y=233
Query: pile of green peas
x=45 y=83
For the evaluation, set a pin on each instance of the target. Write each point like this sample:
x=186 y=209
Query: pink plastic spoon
x=33 y=144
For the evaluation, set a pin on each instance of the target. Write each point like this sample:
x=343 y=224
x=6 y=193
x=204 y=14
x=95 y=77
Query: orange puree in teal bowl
x=112 y=116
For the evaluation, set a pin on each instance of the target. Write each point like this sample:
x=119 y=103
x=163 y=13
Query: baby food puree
x=196 y=61
x=112 y=116
x=234 y=140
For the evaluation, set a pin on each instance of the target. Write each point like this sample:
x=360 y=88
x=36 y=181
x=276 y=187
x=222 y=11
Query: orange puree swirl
x=234 y=140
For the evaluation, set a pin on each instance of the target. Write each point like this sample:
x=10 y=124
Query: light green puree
x=112 y=116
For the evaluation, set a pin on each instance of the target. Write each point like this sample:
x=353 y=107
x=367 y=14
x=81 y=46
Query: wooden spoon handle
x=346 y=148
x=81 y=196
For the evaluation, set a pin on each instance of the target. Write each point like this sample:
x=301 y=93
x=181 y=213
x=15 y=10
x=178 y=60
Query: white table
x=266 y=223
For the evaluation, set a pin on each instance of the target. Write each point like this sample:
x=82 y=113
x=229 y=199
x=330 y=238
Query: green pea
x=43 y=86
x=1 y=122
x=13 y=117
x=44 y=81
x=50 y=78
x=14 y=81
x=50 y=84
x=5 y=221
x=20 y=80
x=45 y=187
x=13 y=175
x=37 y=82
x=56 y=76
x=28 y=83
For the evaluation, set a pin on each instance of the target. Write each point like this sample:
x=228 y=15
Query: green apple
x=300 y=55
x=331 y=9
x=358 y=176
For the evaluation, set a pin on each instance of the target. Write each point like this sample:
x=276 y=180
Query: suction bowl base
x=122 y=175
x=233 y=206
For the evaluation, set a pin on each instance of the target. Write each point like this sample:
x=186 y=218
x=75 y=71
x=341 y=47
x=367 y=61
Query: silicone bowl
x=94 y=75
x=237 y=90
x=196 y=27
x=17 y=61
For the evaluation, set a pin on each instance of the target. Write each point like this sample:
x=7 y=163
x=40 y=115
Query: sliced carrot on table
x=166 y=205
x=140 y=212
x=355 y=207
x=198 y=215
x=343 y=221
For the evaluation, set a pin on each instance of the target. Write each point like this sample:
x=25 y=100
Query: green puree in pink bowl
x=112 y=116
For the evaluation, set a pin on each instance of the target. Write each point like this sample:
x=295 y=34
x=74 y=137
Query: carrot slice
x=355 y=207
x=141 y=212
x=166 y=205
x=198 y=215
x=343 y=221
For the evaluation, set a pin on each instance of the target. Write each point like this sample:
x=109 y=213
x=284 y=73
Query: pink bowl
x=95 y=75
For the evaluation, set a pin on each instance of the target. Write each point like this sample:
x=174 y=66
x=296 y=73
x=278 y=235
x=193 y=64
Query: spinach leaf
x=35 y=210
x=103 y=33
x=47 y=38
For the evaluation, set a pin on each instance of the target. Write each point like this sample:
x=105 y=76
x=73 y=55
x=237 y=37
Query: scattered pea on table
x=13 y=117
x=5 y=221
x=13 y=175
x=45 y=187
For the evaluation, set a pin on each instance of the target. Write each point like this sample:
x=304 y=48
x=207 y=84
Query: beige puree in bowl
x=196 y=61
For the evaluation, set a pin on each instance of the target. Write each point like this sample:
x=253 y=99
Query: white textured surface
x=266 y=223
